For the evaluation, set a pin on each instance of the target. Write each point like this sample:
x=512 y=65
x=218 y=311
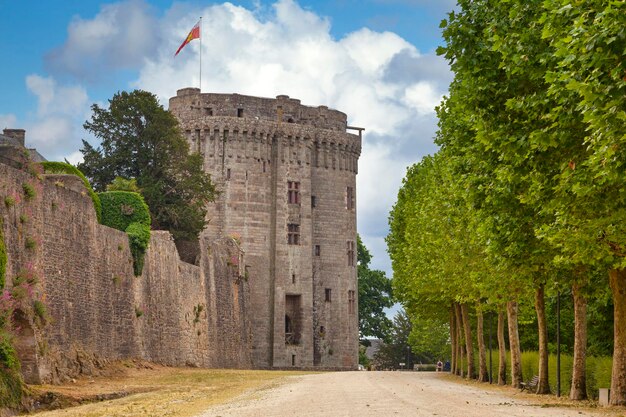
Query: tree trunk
x=469 y=348
x=617 y=279
x=452 y=340
x=543 y=386
x=483 y=374
x=516 y=354
x=459 y=341
x=579 y=376
x=501 y=350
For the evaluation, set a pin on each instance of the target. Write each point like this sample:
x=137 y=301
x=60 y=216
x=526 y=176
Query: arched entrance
x=26 y=347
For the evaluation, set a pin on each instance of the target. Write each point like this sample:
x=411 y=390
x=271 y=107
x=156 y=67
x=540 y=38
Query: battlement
x=190 y=104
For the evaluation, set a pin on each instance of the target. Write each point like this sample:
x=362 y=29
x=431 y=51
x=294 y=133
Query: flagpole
x=200 y=54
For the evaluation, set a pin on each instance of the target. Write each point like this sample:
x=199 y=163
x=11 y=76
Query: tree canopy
x=141 y=141
x=374 y=297
x=526 y=195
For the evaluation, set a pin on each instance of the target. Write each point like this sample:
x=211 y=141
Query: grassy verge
x=162 y=391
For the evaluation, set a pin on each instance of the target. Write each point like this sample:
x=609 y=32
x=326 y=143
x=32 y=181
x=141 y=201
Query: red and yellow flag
x=193 y=34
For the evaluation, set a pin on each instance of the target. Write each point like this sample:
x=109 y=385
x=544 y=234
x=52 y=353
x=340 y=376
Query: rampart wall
x=174 y=314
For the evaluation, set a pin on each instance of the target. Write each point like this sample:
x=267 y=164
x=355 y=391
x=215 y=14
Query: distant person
x=439 y=366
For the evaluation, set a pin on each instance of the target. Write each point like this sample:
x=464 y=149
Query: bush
x=121 y=208
x=11 y=383
x=138 y=240
x=3 y=257
x=65 y=168
x=29 y=191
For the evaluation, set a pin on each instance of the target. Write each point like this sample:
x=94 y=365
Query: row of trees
x=527 y=192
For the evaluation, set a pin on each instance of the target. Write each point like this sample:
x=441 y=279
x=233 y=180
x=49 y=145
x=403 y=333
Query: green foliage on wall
x=121 y=208
x=138 y=239
x=29 y=191
x=11 y=383
x=127 y=211
x=3 y=257
x=51 y=167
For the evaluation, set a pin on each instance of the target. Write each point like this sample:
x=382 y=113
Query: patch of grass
x=29 y=191
x=30 y=243
x=9 y=201
x=171 y=391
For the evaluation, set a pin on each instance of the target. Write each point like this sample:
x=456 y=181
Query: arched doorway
x=26 y=347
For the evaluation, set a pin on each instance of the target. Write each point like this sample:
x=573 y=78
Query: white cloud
x=122 y=35
x=381 y=81
x=56 y=127
x=422 y=97
x=56 y=99
x=8 y=121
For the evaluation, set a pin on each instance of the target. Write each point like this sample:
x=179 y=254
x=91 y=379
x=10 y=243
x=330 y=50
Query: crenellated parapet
x=244 y=127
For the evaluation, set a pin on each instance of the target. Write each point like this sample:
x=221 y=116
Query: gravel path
x=383 y=394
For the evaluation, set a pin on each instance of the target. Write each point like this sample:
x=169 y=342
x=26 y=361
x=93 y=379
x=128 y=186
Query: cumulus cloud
x=380 y=80
x=8 y=121
x=122 y=35
x=55 y=129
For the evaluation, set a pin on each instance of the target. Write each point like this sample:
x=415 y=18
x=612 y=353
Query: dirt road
x=383 y=394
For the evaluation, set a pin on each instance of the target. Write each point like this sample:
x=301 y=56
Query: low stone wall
x=175 y=313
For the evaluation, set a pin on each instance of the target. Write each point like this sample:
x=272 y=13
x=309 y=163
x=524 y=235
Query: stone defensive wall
x=97 y=311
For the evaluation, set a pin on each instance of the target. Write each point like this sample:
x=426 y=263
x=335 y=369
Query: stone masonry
x=175 y=313
x=287 y=180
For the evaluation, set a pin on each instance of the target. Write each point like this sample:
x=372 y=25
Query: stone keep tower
x=287 y=180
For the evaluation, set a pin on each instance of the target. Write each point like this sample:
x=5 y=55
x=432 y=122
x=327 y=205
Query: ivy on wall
x=65 y=168
x=127 y=211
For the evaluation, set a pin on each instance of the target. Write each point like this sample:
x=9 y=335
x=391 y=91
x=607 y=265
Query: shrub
x=11 y=383
x=3 y=257
x=41 y=312
x=9 y=201
x=138 y=312
x=51 y=167
x=29 y=191
x=30 y=243
x=121 y=208
x=138 y=240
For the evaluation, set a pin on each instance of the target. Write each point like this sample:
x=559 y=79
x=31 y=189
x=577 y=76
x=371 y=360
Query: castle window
x=293 y=360
x=313 y=202
x=293 y=192
x=318 y=250
x=293 y=234
x=228 y=173
x=328 y=295
x=293 y=278
x=208 y=111
x=263 y=166
x=351 y=301
x=350 y=253
x=293 y=319
x=239 y=112
x=349 y=198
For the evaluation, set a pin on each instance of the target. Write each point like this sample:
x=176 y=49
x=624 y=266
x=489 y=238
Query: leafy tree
x=374 y=297
x=141 y=141
x=397 y=350
x=123 y=184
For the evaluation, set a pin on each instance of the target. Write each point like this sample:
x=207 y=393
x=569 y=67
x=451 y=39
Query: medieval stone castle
x=274 y=285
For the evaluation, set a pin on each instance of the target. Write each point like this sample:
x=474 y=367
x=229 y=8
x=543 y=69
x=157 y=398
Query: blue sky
x=373 y=59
